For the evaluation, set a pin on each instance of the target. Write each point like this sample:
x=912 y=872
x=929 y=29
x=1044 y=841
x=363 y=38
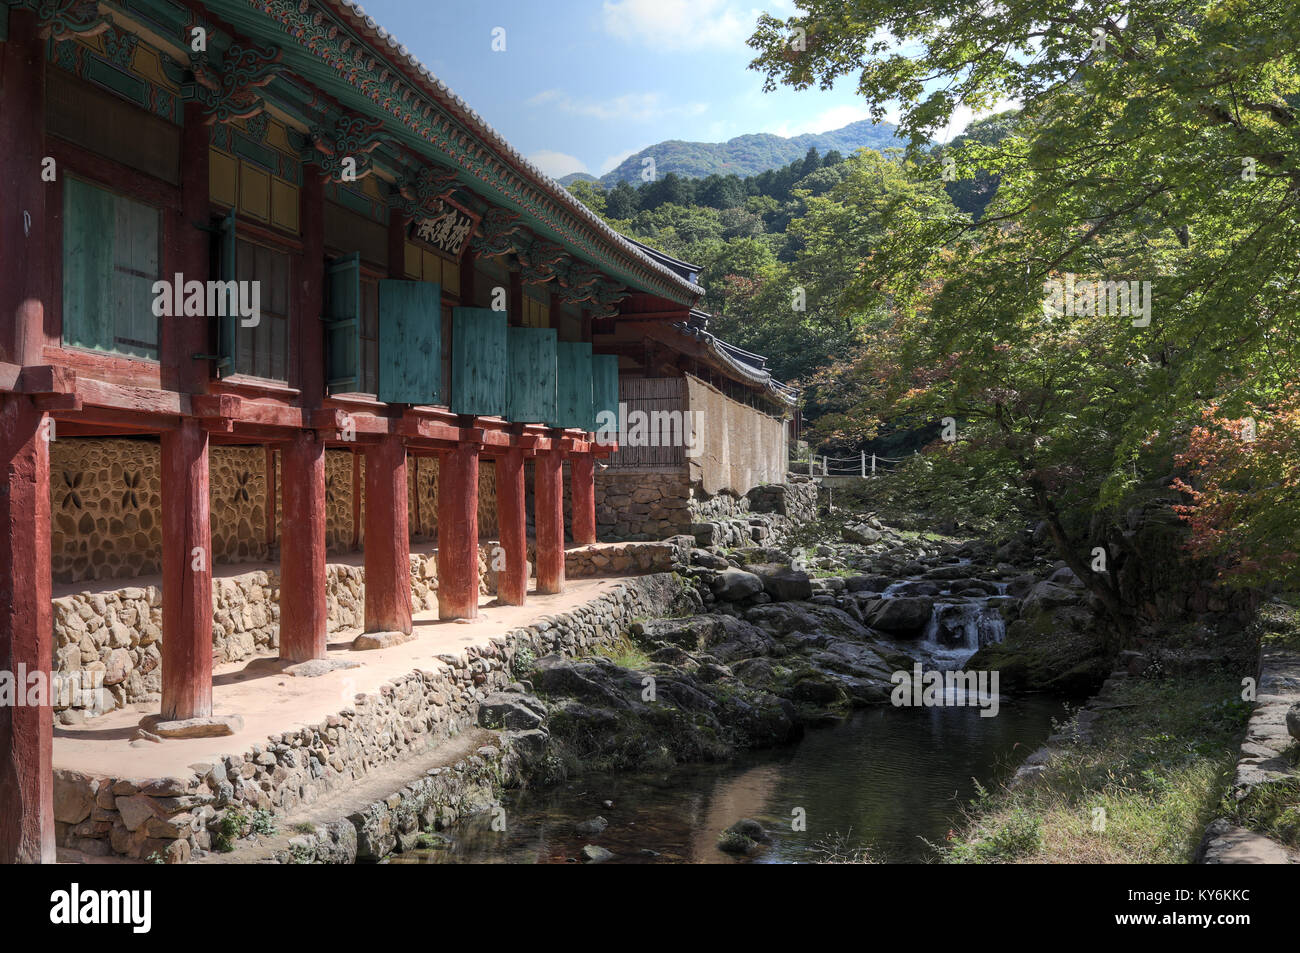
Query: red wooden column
x=388 y=542
x=302 y=550
x=24 y=219
x=26 y=627
x=582 y=480
x=187 y=574
x=512 y=522
x=458 y=532
x=548 y=490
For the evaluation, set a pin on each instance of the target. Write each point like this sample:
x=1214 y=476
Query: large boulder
x=512 y=711
x=783 y=583
x=1047 y=596
x=733 y=585
x=868 y=583
x=905 y=616
x=861 y=533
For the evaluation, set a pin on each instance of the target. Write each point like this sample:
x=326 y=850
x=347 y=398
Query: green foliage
x=229 y=828
x=524 y=662
x=960 y=488
x=1173 y=157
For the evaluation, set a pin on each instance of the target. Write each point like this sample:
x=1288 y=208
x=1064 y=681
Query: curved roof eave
x=462 y=111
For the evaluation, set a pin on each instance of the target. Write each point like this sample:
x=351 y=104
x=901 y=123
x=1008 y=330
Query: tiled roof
x=477 y=124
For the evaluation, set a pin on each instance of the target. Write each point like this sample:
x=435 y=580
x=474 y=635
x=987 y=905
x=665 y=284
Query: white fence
x=864 y=465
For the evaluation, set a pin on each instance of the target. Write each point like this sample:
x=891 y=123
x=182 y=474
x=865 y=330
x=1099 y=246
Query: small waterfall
x=956 y=631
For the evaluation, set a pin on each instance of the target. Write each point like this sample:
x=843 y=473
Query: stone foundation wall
x=640 y=505
x=113 y=640
x=762 y=516
x=106 y=505
x=627 y=558
x=652 y=504
x=339 y=528
x=168 y=818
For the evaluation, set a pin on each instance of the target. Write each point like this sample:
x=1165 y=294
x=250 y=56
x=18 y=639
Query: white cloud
x=615 y=160
x=637 y=107
x=963 y=116
x=834 y=118
x=673 y=25
x=557 y=164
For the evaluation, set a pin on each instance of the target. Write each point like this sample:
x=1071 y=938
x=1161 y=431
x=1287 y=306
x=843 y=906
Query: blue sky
x=582 y=84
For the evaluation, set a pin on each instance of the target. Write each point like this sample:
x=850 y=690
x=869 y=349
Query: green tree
x=1157 y=143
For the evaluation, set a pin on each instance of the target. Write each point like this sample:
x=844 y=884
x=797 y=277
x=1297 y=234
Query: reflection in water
x=887 y=778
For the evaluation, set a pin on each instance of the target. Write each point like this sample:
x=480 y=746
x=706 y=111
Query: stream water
x=893 y=780
x=889 y=778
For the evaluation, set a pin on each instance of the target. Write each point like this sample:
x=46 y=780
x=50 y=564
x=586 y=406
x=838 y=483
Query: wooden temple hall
x=264 y=282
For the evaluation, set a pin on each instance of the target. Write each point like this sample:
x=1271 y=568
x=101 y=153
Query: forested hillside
x=746 y=155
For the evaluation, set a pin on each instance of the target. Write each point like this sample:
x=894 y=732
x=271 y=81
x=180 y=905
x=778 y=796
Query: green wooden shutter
x=343 y=324
x=89 y=227
x=604 y=388
x=530 y=389
x=410 y=342
x=479 y=361
x=573 y=385
x=228 y=324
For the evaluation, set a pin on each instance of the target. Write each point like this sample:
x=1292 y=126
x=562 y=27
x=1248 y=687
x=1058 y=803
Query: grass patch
x=1272 y=809
x=1277 y=623
x=1141 y=791
x=627 y=654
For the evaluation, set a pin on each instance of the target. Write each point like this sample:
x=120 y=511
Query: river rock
x=591 y=827
x=749 y=828
x=905 y=616
x=783 y=583
x=733 y=585
x=861 y=533
x=868 y=583
x=512 y=711
x=1048 y=595
x=592 y=854
x=1293 y=721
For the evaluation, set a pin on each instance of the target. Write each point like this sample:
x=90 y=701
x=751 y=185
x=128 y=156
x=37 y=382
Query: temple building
x=271 y=292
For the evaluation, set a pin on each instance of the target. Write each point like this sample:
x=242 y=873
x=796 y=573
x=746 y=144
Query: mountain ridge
x=742 y=155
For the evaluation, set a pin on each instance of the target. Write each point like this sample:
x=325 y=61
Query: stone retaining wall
x=654 y=504
x=108 y=644
x=168 y=818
